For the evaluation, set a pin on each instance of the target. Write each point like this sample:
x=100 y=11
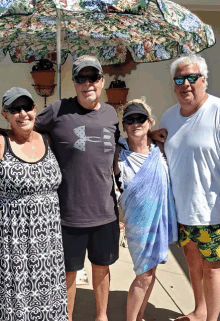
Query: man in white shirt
x=193 y=154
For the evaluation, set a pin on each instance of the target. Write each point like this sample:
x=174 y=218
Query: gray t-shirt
x=84 y=143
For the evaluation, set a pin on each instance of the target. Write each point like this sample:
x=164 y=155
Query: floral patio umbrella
x=151 y=30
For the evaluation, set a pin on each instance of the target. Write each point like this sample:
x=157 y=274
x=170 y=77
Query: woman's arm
x=2 y=146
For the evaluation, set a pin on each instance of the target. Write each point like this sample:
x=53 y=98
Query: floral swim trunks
x=207 y=238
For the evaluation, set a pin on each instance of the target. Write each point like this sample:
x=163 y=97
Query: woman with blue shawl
x=146 y=202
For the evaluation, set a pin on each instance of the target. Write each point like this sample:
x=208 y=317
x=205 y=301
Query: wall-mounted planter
x=43 y=77
x=117 y=95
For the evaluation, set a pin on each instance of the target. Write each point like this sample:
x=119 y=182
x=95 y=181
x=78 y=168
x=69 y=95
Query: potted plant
x=117 y=92
x=43 y=72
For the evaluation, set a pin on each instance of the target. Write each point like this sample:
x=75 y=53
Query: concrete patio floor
x=172 y=295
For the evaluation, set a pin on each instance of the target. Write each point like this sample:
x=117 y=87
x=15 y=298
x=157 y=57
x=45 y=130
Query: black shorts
x=102 y=243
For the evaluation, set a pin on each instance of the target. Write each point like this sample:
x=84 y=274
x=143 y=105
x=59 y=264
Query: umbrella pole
x=58 y=54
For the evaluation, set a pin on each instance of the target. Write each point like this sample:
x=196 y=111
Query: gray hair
x=144 y=105
x=191 y=59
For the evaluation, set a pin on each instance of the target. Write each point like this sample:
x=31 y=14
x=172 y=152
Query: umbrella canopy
x=152 y=30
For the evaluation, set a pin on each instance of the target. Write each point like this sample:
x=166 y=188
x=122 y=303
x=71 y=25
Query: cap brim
x=12 y=99
x=136 y=112
x=86 y=64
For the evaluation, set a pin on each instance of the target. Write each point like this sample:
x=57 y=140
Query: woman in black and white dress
x=32 y=273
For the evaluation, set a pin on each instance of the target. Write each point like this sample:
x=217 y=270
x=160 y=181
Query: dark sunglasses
x=132 y=120
x=179 y=80
x=91 y=78
x=17 y=109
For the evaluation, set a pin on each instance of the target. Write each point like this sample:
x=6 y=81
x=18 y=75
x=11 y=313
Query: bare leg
x=212 y=288
x=195 y=264
x=138 y=295
x=71 y=292
x=140 y=316
x=101 y=280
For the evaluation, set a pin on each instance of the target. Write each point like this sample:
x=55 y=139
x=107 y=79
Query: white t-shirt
x=193 y=154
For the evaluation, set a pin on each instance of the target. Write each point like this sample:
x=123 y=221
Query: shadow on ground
x=180 y=258
x=85 y=308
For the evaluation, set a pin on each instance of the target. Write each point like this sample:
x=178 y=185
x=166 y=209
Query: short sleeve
x=162 y=122
x=44 y=121
x=166 y=121
x=113 y=115
x=217 y=124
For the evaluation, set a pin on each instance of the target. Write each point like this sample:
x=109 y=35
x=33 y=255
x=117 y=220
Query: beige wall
x=150 y=80
x=202 y=5
x=198 y=2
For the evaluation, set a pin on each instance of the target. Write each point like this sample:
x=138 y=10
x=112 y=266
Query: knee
x=102 y=269
x=146 y=278
x=151 y=272
x=70 y=278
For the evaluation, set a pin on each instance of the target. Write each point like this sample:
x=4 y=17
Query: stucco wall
x=204 y=2
x=150 y=80
x=198 y=2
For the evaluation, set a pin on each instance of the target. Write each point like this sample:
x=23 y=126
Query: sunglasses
x=132 y=120
x=17 y=109
x=179 y=80
x=91 y=78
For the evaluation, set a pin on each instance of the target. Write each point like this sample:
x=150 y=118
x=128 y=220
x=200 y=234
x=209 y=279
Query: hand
x=159 y=135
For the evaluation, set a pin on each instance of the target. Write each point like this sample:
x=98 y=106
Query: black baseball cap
x=12 y=94
x=85 y=61
x=135 y=109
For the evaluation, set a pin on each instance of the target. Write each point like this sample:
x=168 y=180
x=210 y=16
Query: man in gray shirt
x=84 y=133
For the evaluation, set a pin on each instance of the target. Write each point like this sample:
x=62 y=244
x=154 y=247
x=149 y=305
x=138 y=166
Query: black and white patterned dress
x=32 y=273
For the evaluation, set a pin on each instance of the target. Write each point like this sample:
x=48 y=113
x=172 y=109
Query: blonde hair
x=143 y=103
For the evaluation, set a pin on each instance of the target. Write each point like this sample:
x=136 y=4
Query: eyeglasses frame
x=198 y=75
x=88 y=77
x=135 y=120
x=12 y=109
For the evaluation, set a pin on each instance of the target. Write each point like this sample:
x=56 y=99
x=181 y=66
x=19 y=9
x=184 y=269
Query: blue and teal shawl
x=148 y=208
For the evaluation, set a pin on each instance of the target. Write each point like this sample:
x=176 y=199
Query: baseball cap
x=135 y=109
x=85 y=61
x=14 y=93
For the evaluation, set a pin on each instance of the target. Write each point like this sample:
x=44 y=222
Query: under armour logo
x=81 y=143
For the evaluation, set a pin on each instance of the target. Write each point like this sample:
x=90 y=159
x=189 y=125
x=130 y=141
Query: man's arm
x=115 y=163
x=159 y=135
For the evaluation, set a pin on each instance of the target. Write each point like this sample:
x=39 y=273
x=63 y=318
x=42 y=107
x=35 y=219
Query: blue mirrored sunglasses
x=180 y=80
